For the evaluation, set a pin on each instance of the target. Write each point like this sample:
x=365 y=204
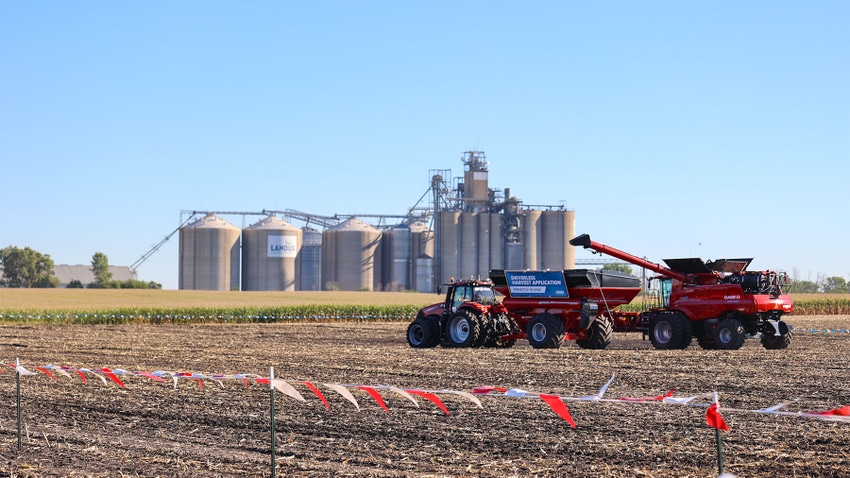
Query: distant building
x=84 y=274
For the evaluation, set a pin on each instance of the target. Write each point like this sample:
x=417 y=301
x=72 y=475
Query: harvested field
x=150 y=429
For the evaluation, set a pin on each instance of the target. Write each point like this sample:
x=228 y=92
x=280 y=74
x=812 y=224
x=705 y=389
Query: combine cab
x=719 y=302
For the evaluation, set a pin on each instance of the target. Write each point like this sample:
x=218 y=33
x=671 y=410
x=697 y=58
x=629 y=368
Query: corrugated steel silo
x=269 y=252
x=497 y=243
x=351 y=256
x=310 y=260
x=209 y=255
x=556 y=229
x=484 y=252
x=422 y=246
x=423 y=280
x=448 y=254
x=531 y=239
x=468 y=245
x=397 y=248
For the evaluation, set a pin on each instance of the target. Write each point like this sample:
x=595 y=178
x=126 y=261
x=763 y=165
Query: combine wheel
x=423 y=333
x=546 y=331
x=463 y=329
x=729 y=334
x=599 y=335
x=670 y=331
x=705 y=338
x=770 y=340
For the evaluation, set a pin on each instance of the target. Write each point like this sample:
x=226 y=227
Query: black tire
x=729 y=334
x=423 y=333
x=770 y=340
x=704 y=336
x=494 y=337
x=546 y=331
x=670 y=331
x=483 y=325
x=599 y=335
x=463 y=329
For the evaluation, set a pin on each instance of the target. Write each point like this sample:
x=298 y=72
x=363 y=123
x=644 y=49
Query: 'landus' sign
x=282 y=246
x=536 y=284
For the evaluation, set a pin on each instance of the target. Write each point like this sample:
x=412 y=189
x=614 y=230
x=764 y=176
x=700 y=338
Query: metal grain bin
x=448 y=246
x=351 y=256
x=310 y=260
x=397 y=248
x=209 y=255
x=556 y=229
x=269 y=252
x=531 y=239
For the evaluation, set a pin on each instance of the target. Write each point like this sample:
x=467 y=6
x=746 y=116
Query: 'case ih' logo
x=731 y=297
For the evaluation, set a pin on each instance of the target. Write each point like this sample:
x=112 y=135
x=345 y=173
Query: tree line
x=28 y=268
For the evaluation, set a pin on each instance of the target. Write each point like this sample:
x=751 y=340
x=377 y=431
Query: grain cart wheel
x=423 y=333
x=463 y=329
x=670 y=331
x=729 y=334
x=598 y=335
x=546 y=331
x=770 y=340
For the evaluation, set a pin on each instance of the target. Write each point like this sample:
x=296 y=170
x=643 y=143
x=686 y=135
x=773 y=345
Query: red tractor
x=718 y=302
x=546 y=307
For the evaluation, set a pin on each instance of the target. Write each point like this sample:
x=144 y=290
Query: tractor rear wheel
x=546 y=331
x=463 y=329
x=423 y=333
x=669 y=331
x=770 y=340
x=729 y=334
x=598 y=334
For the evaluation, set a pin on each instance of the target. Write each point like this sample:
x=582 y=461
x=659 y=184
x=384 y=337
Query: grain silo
x=555 y=231
x=269 y=251
x=209 y=255
x=351 y=256
x=422 y=252
x=468 y=245
x=396 y=244
x=531 y=239
x=310 y=260
x=448 y=246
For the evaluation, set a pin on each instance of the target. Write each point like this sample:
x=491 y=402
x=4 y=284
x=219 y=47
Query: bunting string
x=557 y=403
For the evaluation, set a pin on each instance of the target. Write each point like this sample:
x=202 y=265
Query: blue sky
x=710 y=129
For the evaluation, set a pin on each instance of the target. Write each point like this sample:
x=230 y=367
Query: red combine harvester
x=718 y=302
x=546 y=307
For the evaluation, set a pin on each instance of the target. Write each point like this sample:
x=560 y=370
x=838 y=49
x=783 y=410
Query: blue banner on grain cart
x=536 y=283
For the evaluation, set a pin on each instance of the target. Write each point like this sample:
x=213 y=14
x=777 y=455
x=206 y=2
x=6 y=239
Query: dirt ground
x=151 y=429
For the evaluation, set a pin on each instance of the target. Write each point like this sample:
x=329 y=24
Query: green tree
x=75 y=284
x=618 y=267
x=835 y=285
x=26 y=268
x=802 y=287
x=100 y=269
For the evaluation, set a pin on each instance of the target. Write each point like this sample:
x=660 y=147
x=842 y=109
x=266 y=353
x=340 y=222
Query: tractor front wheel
x=546 y=331
x=670 y=331
x=423 y=333
x=729 y=334
x=463 y=329
x=598 y=335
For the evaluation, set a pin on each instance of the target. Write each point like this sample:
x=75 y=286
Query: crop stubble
x=150 y=429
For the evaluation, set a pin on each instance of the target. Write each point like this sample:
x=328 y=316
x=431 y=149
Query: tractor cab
x=468 y=291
